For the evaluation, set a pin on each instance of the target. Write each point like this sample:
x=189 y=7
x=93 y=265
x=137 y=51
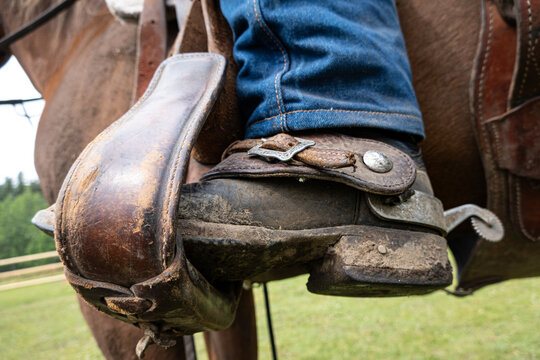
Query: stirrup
x=116 y=213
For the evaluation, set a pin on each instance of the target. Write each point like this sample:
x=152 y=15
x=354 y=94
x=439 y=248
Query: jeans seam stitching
x=272 y=37
x=337 y=110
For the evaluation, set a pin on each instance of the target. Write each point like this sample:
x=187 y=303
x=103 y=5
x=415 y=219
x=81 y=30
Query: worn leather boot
x=358 y=214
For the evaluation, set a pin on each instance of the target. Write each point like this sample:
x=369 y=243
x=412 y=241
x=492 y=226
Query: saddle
x=117 y=223
x=505 y=92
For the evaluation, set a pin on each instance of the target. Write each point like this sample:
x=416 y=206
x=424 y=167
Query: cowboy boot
x=358 y=214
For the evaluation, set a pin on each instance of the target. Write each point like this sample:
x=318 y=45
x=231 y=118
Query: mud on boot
x=358 y=214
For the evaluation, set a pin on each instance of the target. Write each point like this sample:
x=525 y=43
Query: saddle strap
x=205 y=29
x=202 y=28
x=506 y=104
x=151 y=44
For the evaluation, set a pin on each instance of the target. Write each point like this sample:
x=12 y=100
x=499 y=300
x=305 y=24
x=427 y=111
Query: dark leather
x=116 y=226
x=334 y=157
x=506 y=98
x=317 y=155
x=506 y=9
x=516 y=138
x=272 y=203
x=525 y=84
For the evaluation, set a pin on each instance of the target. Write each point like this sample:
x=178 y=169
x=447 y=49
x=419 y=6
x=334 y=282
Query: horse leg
x=117 y=340
x=239 y=342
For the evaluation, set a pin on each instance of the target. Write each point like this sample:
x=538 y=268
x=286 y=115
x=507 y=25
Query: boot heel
x=379 y=262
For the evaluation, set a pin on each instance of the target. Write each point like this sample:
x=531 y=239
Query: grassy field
x=499 y=322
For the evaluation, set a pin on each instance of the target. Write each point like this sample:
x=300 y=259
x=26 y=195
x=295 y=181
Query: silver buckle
x=280 y=155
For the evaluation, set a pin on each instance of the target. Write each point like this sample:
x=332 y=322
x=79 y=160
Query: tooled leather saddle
x=505 y=92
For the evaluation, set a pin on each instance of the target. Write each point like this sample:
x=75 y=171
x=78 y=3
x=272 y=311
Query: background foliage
x=19 y=202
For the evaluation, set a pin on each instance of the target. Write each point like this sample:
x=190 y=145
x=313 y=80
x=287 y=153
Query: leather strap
x=46 y=16
x=152 y=43
x=516 y=136
x=314 y=156
x=206 y=29
x=334 y=157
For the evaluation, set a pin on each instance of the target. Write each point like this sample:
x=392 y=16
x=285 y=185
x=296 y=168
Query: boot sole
x=352 y=260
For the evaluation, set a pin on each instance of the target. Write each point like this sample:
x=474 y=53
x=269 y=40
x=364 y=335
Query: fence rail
x=37 y=281
x=35 y=270
x=30 y=270
x=25 y=258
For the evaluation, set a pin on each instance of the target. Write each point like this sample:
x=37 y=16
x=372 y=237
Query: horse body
x=84 y=45
x=86 y=75
x=441 y=40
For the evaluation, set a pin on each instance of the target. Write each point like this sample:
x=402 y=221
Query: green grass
x=44 y=322
x=498 y=322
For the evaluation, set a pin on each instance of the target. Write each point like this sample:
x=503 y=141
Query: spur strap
x=365 y=164
x=307 y=152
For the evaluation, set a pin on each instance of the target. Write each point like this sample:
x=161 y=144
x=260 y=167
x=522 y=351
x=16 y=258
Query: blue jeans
x=322 y=64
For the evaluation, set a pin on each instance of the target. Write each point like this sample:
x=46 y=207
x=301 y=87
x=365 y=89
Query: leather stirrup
x=116 y=212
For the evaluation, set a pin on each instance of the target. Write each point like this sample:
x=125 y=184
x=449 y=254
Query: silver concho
x=377 y=161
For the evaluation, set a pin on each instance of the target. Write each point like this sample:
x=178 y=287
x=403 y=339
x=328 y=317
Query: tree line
x=19 y=201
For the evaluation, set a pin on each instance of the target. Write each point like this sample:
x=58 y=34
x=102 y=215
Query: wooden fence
x=35 y=270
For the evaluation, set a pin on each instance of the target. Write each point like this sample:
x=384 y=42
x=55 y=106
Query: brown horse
x=86 y=76
x=83 y=63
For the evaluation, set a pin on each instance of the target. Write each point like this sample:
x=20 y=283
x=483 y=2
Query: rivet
x=381 y=249
x=377 y=161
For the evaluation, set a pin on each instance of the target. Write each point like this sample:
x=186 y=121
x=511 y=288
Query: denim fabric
x=319 y=64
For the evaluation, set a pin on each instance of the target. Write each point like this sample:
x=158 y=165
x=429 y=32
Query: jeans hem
x=318 y=119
